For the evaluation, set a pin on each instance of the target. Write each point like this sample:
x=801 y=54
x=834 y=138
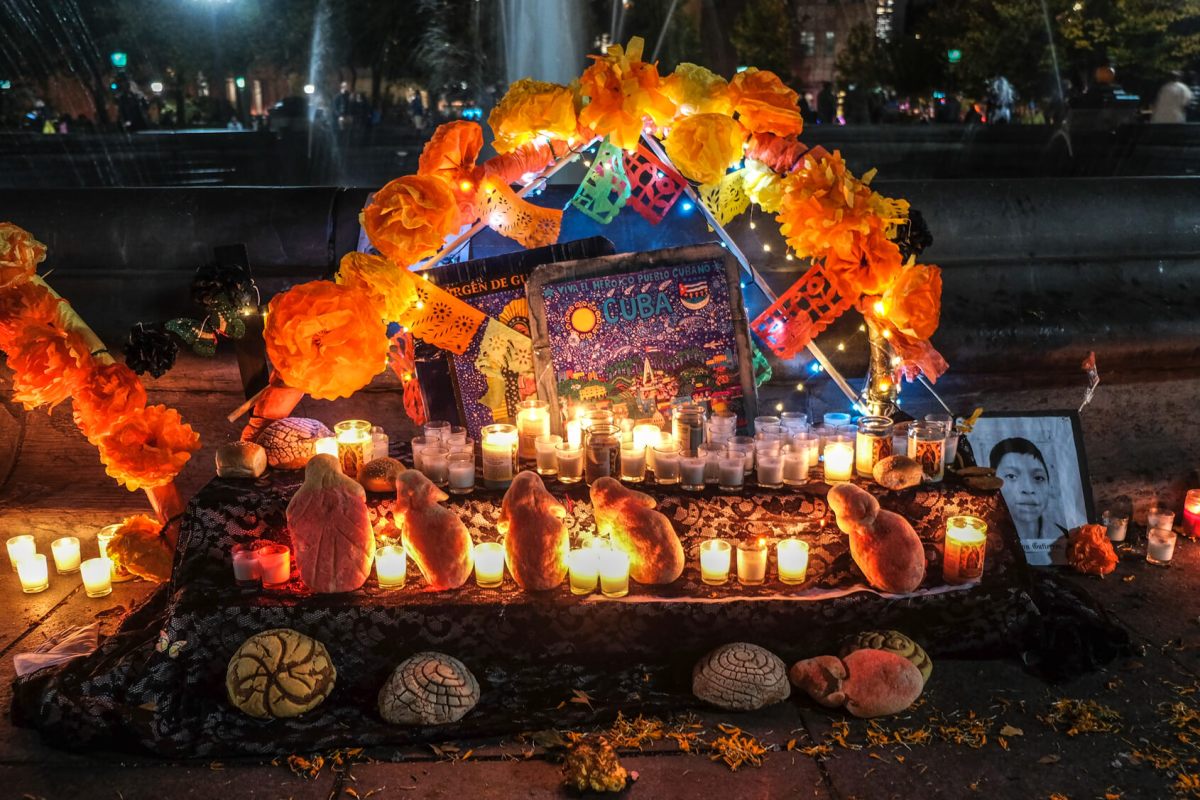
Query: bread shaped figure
x=882 y=543
x=331 y=529
x=655 y=553
x=869 y=683
x=434 y=537
x=536 y=542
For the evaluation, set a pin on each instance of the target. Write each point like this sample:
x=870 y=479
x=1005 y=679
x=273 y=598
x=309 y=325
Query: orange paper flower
x=20 y=254
x=823 y=207
x=390 y=289
x=139 y=548
x=530 y=109
x=26 y=303
x=1089 y=551
x=914 y=300
x=521 y=165
x=868 y=264
x=106 y=393
x=410 y=218
x=704 y=146
x=764 y=105
x=48 y=364
x=321 y=342
x=696 y=90
x=913 y=356
x=623 y=91
x=450 y=154
x=780 y=153
x=147 y=447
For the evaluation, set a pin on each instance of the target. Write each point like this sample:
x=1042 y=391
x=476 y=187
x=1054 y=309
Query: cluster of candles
x=354 y=443
x=1160 y=527
x=33 y=569
x=716 y=561
x=268 y=563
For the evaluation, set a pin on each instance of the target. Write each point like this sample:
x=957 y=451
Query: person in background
x=1027 y=492
x=827 y=105
x=1170 y=106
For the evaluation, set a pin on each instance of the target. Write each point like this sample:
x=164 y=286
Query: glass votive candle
x=732 y=472
x=838 y=456
x=793 y=421
x=569 y=459
x=752 y=562
x=246 y=571
x=715 y=558
x=811 y=442
x=765 y=419
x=66 y=555
x=1160 y=546
x=666 y=463
x=646 y=434
x=326 y=445
x=435 y=464
x=715 y=434
x=872 y=444
x=602 y=453
x=927 y=445
x=20 y=548
x=791 y=557
x=275 y=561
x=379 y=442
x=545 y=446
x=436 y=430
x=712 y=454
x=34 y=573
x=836 y=419
x=97 y=576
x=460 y=472
x=419 y=443
x=745 y=446
x=770 y=443
x=591 y=418
x=583 y=568
x=691 y=471
x=574 y=433
x=355 y=446
x=687 y=426
x=1115 y=526
x=964 y=550
x=391 y=566
x=770 y=470
x=900 y=437
x=1191 y=513
x=942 y=418
x=614 y=572
x=457 y=435
x=633 y=463
x=1159 y=515
x=533 y=420
x=795 y=464
x=499 y=447
x=489 y=565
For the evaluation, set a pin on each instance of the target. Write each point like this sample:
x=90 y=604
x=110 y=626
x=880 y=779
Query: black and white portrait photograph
x=1040 y=458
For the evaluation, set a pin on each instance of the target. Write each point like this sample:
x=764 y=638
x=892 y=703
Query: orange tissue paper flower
x=704 y=146
x=914 y=300
x=623 y=91
x=48 y=364
x=696 y=90
x=26 y=303
x=320 y=341
x=530 y=109
x=764 y=104
x=410 y=217
x=147 y=447
x=389 y=288
x=521 y=165
x=106 y=393
x=450 y=154
x=20 y=254
x=823 y=207
x=864 y=263
x=1089 y=551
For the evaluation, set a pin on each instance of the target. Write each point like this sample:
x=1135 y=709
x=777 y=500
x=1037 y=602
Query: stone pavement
x=976 y=733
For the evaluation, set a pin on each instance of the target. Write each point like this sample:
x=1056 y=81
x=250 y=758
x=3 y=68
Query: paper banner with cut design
x=505 y=357
x=518 y=219
x=439 y=318
x=605 y=188
x=654 y=187
x=727 y=198
x=801 y=313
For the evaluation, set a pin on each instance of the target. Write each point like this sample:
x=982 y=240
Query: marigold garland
x=105 y=394
x=624 y=91
x=764 y=104
x=26 y=303
x=48 y=364
x=147 y=448
x=705 y=146
x=410 y=217
x=389 y=289
x=696 y=90
x=450 y=154
x=531 y=109
x=20 y=254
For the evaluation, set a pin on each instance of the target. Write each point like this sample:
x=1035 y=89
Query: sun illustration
x=583 y=318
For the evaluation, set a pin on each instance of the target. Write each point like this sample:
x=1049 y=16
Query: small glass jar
x=768 y=444
x=822 y=434
x=1160 y=546
x=569 y=461
x=435 y=464
x=927 y=446
x=379 y=442
x=533 y=420
x=1191 y=513
x=419 y=443
x=687 y=425
x=752 y=562
x=732 y=473
x=838 y=456
x=745 y=446
x=900 y=437
x=666 y=463
x=770 y=470
x=461 y=472
x=1115 y=525
x=633 y=462
x=547 y=461
x=793 y=421
x=499 y=451
x=457 y=435
x=355 y=445
x=437 y=429
x=712 y=454
x=589 y=419
x=716 y=556
x=691 y=470
x=873 y=443
x=943 y=419
x=1159 y=515
x=836 y=419
x=796 y=461
x=602 y=453
x=765 y=419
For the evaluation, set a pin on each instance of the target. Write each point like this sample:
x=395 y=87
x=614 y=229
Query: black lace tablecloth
x=158 y=684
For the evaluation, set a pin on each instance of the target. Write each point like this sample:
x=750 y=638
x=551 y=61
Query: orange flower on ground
x=20 y=254
x=623 y=90
x=321 y=342
x=530 y=109
x=704 y=146
x=147 y=448
x=138 y=547
x=696 y=90
x=869 y=265
x=1089 y=551
x=48 y=364
x=450 y=154
x=26 y=303
x=410 y=217
x=764 y=104
x=914 y=301
x=106 y=393
x=390 y=289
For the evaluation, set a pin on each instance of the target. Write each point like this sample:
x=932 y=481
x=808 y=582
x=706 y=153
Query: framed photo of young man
x=1040 y=457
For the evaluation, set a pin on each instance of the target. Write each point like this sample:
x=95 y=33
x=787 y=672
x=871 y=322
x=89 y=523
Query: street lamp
x=309 y=88
x=156 y=87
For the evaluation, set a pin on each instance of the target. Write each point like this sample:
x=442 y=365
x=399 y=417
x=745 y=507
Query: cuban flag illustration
x=694 y=295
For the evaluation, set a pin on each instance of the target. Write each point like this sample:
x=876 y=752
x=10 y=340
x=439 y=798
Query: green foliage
x=762 y=36
x=864 y=59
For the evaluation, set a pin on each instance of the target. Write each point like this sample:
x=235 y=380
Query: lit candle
x=1160 y=546
x=533 y=420
x=275 y=560
x=246 y=571
x=499 y=447
x=966 y=546
x=584 y=568
x=547 y=461
x=646 y=434
x=97 y=576
x=715 y=555
x=791 y=556
x=614 y=573
x=105 y=536
x=391 y=566
x=489 y=565
x=461 y=470
x=354 y=444
x=873 y=443
x=1115 y=526
x=839 y=460
x=752 y=562
x=34 y=573
x=326 y=445
x=66 y=555
x=574 y=433
x=1191 y=513
x=569 y=458
x=633 y=463
x=20 y=548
